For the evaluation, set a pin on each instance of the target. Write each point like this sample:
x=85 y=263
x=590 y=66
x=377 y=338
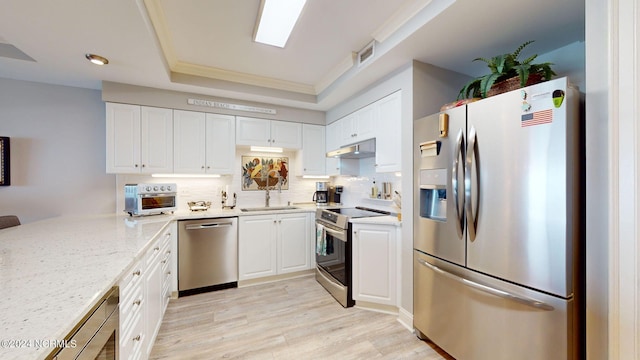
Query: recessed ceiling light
x=276 y=20
x=97 y=59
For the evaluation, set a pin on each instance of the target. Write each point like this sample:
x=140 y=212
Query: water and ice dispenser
x=433 y=194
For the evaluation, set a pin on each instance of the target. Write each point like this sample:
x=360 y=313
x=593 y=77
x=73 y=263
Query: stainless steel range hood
x=358 y=150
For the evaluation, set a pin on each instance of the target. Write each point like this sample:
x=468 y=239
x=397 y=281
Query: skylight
x=276 y=21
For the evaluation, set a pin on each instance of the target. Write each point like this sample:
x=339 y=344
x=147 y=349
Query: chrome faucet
x=265 y=176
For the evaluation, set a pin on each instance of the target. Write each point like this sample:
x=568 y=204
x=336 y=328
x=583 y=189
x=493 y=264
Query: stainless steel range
x=333 y=249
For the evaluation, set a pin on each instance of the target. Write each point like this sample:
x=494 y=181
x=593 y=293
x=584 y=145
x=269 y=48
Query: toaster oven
x=149 y=199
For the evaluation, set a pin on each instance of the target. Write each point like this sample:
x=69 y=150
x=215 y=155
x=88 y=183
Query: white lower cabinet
x=375 y=263
x=144 y=297
x=273 y=244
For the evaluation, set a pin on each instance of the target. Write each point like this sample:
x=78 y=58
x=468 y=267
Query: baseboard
x=386 y=309
x=274 y=278
x=406 y=319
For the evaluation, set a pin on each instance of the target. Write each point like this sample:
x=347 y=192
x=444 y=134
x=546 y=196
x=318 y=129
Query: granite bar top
x=53 y=271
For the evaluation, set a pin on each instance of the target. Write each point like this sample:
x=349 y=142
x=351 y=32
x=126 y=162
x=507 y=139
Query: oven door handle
x=336 y=234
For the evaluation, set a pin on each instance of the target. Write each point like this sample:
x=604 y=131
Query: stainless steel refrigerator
x=498 y=226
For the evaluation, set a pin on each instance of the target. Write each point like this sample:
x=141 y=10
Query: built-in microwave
x=149 y=199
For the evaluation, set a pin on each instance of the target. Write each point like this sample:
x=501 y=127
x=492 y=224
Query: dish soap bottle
x=374 y=190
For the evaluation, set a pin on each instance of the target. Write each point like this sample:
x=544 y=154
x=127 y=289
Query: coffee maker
x=334 y=194
x=322 y=193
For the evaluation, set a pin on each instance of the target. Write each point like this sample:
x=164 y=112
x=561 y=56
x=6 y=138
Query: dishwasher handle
x=208 y=225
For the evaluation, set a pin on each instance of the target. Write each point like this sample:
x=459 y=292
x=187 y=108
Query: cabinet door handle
x=137 y=338
x=136 y=273
x=137 y=302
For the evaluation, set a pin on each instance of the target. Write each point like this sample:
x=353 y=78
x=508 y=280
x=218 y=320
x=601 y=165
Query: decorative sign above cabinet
x=221 y=105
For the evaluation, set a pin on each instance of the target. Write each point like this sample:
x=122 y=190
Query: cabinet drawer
x=153 y=253
x=131 y=279
x=130 y=310
x=131 y=341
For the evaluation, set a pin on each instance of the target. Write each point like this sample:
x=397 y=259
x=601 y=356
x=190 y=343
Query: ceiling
x=206 y=46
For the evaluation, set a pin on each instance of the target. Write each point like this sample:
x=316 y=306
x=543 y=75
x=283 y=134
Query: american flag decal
x=537 y=118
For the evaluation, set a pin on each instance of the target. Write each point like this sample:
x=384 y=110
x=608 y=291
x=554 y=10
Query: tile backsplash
x=356 y=189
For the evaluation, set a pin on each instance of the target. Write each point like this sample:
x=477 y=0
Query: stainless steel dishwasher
x=207 y=255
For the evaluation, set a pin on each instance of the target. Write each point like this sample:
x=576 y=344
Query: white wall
x=597 y=153
x=57 y=151
x=613 y=161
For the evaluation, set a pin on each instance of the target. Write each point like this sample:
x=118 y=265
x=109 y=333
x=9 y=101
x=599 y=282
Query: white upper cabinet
x=261 y=132
x=313 y=150
x=388 y=112
x=189 y=142
x=203 y=143
x=358 y=126
x=157 y=140
x=139 y=139
x=221 y=144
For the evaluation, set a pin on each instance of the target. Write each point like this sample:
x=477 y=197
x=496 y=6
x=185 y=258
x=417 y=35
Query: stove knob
x=148 y=188
x=155 y=188
x=169 y=188
x=161 y=188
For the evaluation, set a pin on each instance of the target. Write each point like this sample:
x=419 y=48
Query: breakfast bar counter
x=53 y=271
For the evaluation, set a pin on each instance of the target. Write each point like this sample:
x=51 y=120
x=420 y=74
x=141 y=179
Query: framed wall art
x=5 y=166
x=260 y=172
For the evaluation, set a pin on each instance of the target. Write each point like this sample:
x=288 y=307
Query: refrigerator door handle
x=454 y=181
x=472 y=219
x=488 y=289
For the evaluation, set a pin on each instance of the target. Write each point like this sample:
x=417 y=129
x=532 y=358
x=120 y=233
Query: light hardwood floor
x=290 y=319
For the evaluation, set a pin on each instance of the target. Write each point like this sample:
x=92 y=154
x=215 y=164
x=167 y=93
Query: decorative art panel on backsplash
x=258 y=172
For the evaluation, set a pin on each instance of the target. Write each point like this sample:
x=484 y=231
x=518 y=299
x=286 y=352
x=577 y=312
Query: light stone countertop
x=53 y=271
x=380 y=220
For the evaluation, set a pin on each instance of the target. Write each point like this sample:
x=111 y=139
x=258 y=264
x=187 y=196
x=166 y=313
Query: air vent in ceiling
x=366 y=54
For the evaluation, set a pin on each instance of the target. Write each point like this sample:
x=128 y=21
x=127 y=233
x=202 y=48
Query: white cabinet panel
x=123 y=138
x=375 y=263
x=293 y=242
x=313 y=150
x=286 y=134
x=388 y=134
x=157 y=140
x=139 y=139
x=203 y=143
x=358 y=126
x=273 y=244
x=252 y=131
x=189 y=142
x=220 y=143
x=257 y=246
x=261 y=132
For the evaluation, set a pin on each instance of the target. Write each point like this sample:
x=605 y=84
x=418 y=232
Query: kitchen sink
x=269 y=208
